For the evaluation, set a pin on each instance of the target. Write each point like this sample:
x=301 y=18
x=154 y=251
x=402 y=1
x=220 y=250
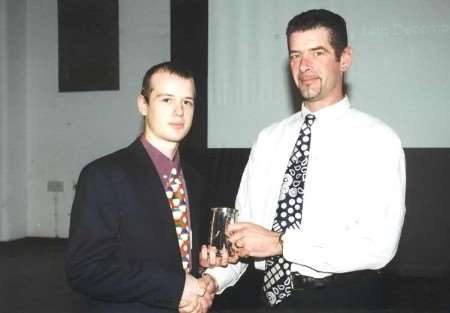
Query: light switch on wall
x=55 y=186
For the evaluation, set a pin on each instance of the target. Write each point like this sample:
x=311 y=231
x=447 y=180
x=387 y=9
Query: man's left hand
x=249 y=239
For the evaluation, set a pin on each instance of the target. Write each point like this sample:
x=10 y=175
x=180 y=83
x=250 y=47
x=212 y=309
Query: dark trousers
x=367 y=293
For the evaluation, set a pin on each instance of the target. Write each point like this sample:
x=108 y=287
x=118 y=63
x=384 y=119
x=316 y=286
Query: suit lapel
x=152 y=194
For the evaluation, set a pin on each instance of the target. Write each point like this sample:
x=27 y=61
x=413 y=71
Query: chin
x=310 y=94
x=178 y=137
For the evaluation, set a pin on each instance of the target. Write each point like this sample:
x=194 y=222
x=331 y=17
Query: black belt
x=300 y=282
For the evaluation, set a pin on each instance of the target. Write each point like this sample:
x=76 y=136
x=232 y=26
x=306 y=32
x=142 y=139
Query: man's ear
x=142 y=105
x=346 y=59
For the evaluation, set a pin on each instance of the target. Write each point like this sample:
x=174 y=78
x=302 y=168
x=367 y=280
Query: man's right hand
x=209 y=258
x=192 y=292
x=211 y=288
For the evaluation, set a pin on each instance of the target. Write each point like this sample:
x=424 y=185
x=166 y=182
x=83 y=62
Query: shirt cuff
x=227 y=276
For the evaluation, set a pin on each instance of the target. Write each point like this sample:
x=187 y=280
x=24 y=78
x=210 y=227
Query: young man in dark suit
x=133 y=240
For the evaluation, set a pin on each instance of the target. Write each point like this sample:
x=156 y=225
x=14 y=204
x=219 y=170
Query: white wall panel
x=13 y=140
x=47 y=136
x=67 y=130
x=3 y=118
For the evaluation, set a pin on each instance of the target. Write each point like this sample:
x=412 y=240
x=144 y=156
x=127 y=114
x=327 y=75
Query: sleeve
x=368 y=237
x=95 y=262
x=230 y=275
x=227 y=276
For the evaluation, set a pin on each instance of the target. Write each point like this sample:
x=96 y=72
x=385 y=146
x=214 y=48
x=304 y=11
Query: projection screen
x=400 y=71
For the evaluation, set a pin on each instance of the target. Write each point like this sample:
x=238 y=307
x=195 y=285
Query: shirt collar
x=328 y=113
x=162 y=163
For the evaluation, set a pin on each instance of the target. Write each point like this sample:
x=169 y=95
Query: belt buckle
x=296 y=282
x=299 y=282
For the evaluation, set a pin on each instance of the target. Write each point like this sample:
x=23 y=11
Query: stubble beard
x=309 y=92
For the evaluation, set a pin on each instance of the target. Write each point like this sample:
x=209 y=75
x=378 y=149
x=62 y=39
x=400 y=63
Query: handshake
x=228 y=242
x=245 y=240
x=198 y=294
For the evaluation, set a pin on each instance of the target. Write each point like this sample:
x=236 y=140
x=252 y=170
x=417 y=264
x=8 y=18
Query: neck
x=167 y=148
x=315 y=106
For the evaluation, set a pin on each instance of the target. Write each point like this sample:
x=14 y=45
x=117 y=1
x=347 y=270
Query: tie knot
x=309 y=119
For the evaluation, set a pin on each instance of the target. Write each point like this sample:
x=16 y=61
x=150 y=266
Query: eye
x=188 y=102
x=294 y=56
x=166 y=100
x=318 y=53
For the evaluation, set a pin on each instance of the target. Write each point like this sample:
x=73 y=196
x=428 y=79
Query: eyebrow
x=171 y=95
x=310 y=49
x=164 y=95
x=319 y=48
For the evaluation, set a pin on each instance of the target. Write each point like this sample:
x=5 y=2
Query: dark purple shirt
x=163 y=166
x=162 y=163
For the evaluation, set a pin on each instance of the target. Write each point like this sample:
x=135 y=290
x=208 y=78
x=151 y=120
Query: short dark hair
x=168 y=67
x=322 y=18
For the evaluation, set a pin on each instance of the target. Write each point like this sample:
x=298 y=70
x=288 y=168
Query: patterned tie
x=277 y=281
x=177 y=200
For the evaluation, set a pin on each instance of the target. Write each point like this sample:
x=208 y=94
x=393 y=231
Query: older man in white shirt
x=321 y=211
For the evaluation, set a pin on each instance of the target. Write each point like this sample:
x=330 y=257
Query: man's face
x=169 y=113
x=314 y=68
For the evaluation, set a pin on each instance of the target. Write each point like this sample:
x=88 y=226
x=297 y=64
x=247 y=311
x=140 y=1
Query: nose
x=179 y=109
x=305 y=65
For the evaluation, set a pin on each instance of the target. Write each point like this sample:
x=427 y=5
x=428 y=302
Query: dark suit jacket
x=123 y=249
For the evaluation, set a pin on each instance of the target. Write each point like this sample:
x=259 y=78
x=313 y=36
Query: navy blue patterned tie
x=277 y=281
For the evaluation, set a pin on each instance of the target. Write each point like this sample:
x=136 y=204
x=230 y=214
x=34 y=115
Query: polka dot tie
x=177 y=200
x=277 y=280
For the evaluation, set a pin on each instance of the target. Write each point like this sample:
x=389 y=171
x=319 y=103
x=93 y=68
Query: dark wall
x=425 y=242
x=424 y=245
x=189 y=46
x=423 y=248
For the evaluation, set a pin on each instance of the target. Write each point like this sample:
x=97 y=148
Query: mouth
x=177 y=125
x=308 y=80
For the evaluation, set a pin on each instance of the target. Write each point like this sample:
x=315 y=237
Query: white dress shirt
x=354 y=199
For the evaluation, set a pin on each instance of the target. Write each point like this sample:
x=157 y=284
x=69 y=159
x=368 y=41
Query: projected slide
x=400 y=71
